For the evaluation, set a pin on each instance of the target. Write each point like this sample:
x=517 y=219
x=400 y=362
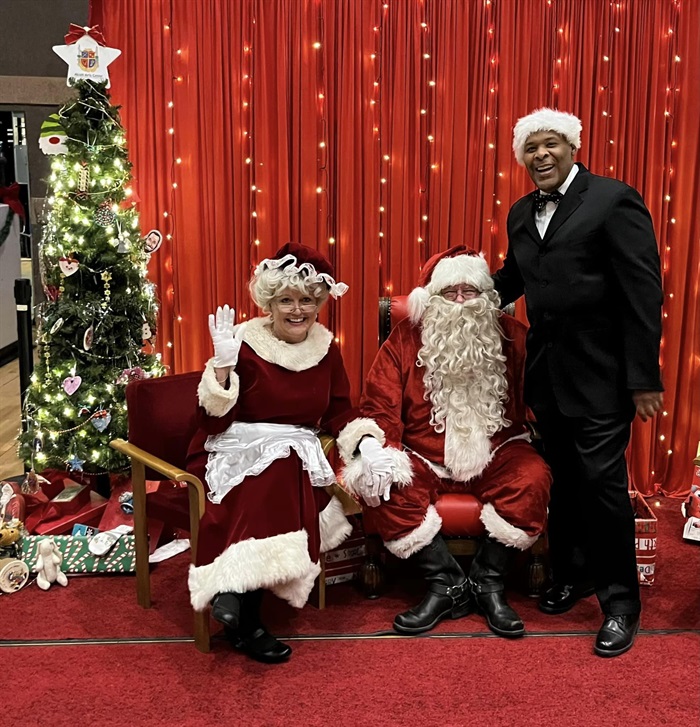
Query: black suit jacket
x=593 y=293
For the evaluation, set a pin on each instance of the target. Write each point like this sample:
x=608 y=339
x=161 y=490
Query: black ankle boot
x=252 y=638
x=226 y=609
x=486 y=585
x=448 y=595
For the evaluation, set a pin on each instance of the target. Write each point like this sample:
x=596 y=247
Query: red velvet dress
x=268 y=531
x=512 y=479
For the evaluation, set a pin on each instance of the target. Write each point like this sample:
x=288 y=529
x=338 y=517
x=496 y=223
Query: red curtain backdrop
x=380 y=133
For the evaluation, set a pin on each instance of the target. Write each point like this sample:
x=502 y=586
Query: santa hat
x=450 y=267
x=568 y=125
x=313 y=266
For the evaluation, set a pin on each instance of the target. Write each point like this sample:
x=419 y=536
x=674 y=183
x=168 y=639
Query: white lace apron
x=247 y=449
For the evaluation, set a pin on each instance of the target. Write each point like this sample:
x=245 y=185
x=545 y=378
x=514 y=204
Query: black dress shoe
x=262 y=646
x=617 y=634
x=561 y=597
x=226 y=609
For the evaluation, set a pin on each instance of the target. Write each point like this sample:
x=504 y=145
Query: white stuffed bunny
x=48 y=565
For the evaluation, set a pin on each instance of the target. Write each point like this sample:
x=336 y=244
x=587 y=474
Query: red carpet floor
x=104 y=607
x=378 y=682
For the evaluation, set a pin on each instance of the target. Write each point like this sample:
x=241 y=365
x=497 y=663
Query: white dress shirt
x=542 y=218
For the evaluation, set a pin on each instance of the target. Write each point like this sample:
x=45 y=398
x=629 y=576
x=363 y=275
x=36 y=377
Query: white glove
x=378 y=470
x=226 y=347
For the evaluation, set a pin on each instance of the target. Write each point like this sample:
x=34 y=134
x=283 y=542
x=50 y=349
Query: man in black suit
x=582 y=250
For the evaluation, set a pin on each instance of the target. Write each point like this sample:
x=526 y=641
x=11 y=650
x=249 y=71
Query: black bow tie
x=542 y=199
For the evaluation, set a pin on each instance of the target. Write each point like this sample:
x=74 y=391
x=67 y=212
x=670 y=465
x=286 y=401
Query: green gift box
x=77 y=557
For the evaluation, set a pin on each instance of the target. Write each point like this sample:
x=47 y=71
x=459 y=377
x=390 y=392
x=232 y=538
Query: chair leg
x=201 y=631
x=372 y=572
x=143 y=577
x=319 y=593
x=536 y=569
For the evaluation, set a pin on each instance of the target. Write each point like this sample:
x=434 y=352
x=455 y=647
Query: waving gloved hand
x=378 y=470
x=226 y=347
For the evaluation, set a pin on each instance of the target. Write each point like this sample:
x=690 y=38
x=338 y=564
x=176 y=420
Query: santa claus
x=443 y=411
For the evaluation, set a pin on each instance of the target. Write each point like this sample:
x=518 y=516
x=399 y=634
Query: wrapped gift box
x=344 y=563
x=77 y=557
x=645 y=525
x=89 y=514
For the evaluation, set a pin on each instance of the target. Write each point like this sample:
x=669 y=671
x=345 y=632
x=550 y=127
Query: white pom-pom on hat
x=545 y=119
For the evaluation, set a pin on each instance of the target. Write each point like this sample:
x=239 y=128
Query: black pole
x=23 y=300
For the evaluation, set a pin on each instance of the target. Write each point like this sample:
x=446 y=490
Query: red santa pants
x=516 y=483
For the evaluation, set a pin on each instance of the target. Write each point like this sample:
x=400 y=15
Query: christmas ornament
x=101 y=420
x=152 y=241
x=75 y=464
x=33 y=482
x=146 y=332
x=128 y=375
x=56 y=326
x=68 y=265
x=87 y=338
x=104 y=215
x=52 y=137
x=86 y=54
x=52 y=293
x=71 y=384
x=83 y=411
x=83 y=182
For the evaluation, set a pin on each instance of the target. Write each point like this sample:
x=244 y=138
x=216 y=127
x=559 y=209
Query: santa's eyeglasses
x=466 y=292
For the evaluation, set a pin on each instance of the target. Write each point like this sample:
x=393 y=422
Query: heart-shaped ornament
x=68 y=265
x=71 y=384
x=102 y=420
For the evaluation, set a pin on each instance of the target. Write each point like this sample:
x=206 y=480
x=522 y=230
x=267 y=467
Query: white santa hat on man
x=544 y=119
x=451 y=267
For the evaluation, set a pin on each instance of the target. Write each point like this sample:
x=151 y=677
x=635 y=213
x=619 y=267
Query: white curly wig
x=269 y=283
x=545 y=119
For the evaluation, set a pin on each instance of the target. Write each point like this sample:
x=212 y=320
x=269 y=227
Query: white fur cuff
x=216 y=400
x=252 y=564
x=417 y=539
x=333 y=525
x=352 y=433
x=502 y=531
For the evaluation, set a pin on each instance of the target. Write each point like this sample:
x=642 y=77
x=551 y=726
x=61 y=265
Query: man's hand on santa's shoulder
x=647 y=403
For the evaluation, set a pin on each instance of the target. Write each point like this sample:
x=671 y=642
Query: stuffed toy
x=48 y=565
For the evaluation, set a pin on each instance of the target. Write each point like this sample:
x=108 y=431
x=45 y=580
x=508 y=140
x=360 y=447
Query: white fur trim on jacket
x=544 y=119
x=296 y=592
x=471 y=269
x=216 y=400
x=351 y=434
x=252 y=564
x=354 y=477
x=291 y=356
x=502 y=531
x=333 y=525
x=417 y=539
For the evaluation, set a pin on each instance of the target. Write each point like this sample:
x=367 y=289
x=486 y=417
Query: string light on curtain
x=385 y=287
x=248 y=144
x=669 y=36
x=427 y=166
x=490 y=118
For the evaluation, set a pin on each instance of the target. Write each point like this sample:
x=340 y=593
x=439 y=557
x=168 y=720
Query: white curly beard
x=464 y=379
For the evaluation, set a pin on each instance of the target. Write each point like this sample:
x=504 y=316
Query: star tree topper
x=86 y=54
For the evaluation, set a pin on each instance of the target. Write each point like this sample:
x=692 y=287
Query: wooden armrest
x=327 y=443
x=161 y=466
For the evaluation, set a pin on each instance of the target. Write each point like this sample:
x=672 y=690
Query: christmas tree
x=96 y=327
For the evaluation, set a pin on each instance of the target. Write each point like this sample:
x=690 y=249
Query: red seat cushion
x=460 y=515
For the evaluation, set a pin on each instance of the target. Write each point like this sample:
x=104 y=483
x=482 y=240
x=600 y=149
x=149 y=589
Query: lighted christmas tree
x=97 y=325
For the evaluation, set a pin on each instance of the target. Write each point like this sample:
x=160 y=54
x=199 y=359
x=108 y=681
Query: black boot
x=226 y=609
x=448 y=595
x=252 y=638
x=486 y=584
